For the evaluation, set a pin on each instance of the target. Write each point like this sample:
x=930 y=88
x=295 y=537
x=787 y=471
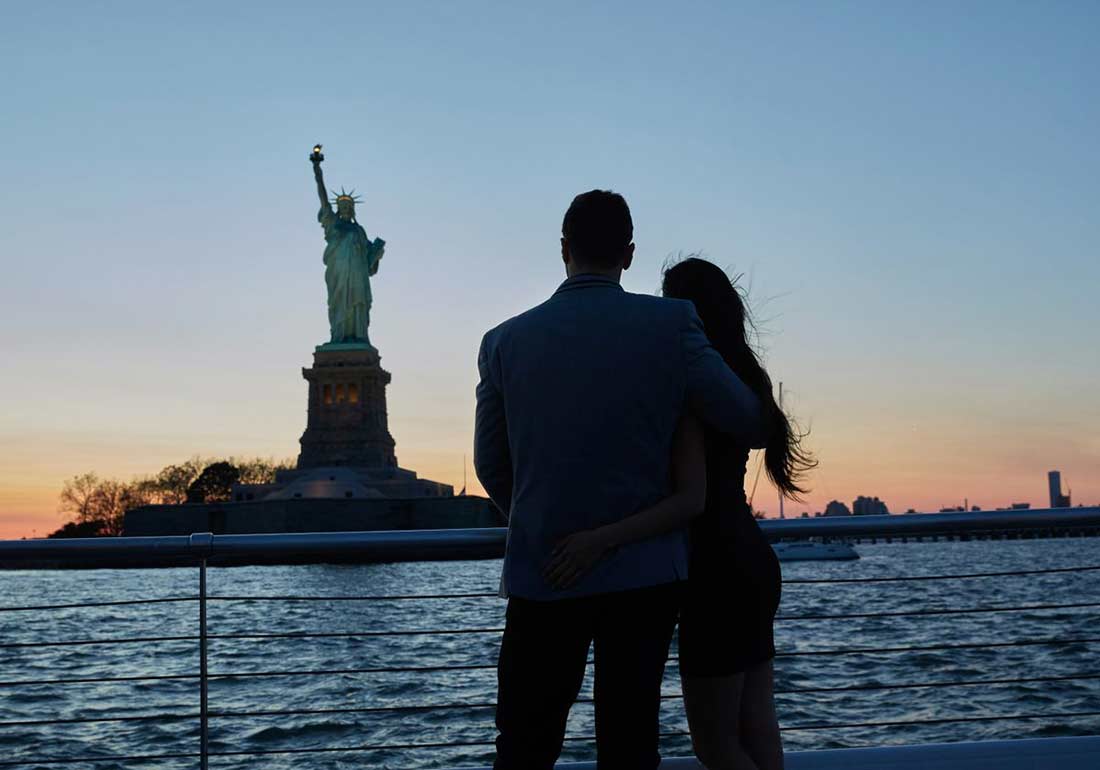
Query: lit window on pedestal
x=339 y=394
x=326 y=394
x=353 y=393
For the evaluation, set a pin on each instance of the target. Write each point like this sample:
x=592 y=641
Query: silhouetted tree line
x=97 y=506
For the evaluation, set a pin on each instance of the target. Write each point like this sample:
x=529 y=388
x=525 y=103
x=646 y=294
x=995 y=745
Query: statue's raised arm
x=315 y=158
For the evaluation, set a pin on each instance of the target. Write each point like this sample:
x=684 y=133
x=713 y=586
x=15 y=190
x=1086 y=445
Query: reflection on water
x=477 y=686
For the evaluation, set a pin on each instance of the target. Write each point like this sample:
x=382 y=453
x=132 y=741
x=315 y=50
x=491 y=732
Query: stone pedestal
x=346 y=423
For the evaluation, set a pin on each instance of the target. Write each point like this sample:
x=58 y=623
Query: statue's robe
x=350 y=260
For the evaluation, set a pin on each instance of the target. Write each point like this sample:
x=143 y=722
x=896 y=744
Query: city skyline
x=908 y=196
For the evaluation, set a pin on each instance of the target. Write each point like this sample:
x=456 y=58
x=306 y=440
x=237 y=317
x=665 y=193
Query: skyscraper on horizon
x=1057 y=499
x=869 y=506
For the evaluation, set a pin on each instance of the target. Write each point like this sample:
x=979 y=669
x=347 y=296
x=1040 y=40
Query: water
x=477 y=686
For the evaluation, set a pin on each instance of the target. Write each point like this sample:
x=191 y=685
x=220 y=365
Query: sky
x=908 y=190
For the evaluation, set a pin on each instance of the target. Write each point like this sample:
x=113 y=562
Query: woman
x=726 y=640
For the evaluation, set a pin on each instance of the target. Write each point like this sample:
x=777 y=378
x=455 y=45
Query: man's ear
x=565 y=252
x=628 y=257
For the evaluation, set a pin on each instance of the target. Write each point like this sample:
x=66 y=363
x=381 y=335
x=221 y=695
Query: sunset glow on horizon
x=910 y=201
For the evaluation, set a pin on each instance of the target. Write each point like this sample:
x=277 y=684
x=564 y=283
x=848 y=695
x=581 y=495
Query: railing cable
x=477 y=706
x=791 y=581
x=82 y=605
x=365 y=634
x=942 y=646
x=944 y=720
x=827 y=616
x=90 y=760
x=920 y=685
x=940 y=611
x=492 y=666
x=964 y=576
x=80 y=642
x=170 y=717
x=447 y=631
x=350 y=598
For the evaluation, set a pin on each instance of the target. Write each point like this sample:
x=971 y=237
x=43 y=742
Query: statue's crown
x=344 y=195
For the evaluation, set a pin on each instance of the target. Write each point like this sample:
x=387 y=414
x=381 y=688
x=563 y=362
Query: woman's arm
x=575 y=555
x=689 y=483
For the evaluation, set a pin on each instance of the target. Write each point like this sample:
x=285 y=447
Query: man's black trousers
x=542 y=664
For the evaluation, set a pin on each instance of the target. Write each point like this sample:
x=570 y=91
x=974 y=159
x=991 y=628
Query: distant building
x=837 y=508
x=1057 y=499
x=953 y=509
x=1019 y=506
x=869 y=506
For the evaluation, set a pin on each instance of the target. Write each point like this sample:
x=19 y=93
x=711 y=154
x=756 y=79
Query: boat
x=811 y=550
x=806 y=550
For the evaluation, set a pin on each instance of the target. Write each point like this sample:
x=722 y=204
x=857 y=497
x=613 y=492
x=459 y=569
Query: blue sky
x=910 y=190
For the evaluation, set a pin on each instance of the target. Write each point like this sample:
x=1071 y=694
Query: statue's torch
x=316 y=156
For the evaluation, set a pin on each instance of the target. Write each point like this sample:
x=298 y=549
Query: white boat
x=809 y=550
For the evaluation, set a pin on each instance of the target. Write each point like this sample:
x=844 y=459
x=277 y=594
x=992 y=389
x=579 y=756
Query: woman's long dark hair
x=725 y=320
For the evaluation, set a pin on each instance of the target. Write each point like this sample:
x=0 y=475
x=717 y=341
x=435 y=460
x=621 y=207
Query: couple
x=614 y=429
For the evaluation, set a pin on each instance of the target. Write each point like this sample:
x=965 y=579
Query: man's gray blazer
x=576 y=408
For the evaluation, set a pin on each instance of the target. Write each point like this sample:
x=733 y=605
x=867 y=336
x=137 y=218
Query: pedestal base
x=336 y=347
x=354 y=483
x=346 y=423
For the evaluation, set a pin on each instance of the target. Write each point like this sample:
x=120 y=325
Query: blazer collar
x=588 y=281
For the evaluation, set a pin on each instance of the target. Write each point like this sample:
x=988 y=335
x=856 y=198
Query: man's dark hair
x=598 y=227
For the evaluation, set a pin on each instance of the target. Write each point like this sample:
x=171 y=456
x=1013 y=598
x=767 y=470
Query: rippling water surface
x=472 y=687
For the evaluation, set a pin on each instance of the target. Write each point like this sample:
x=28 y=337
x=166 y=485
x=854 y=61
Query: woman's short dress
x=734 y=581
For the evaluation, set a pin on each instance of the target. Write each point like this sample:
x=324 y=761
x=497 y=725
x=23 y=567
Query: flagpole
x=781 y=491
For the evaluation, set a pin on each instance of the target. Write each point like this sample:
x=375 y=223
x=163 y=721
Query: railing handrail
x=425 y=542
x=906 y=524
x=205 y=544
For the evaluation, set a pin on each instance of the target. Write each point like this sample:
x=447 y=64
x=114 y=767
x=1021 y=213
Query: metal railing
x=199 y=549
x=442 y=543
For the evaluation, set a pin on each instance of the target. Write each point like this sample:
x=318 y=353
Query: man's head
x=597 y=234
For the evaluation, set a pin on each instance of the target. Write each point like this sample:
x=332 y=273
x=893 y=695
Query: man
x=576 y=409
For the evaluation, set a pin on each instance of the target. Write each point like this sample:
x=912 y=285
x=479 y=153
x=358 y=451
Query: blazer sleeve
x=714 y=393
x=492 y=454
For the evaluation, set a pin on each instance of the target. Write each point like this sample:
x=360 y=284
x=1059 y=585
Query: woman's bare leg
x=714 y=708
x=759 y=728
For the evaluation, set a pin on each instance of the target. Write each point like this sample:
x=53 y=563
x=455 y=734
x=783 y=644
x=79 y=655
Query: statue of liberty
x=350 y=260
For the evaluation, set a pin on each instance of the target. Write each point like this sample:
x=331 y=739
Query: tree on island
x=115 y=498
x=75 y=529
x=173 y=481
x=214 y=484
x=97 y=507
x=78 y=497
x=257 y=470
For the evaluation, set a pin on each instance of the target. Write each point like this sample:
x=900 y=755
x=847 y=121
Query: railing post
x=204 y=721
x=202 y=545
